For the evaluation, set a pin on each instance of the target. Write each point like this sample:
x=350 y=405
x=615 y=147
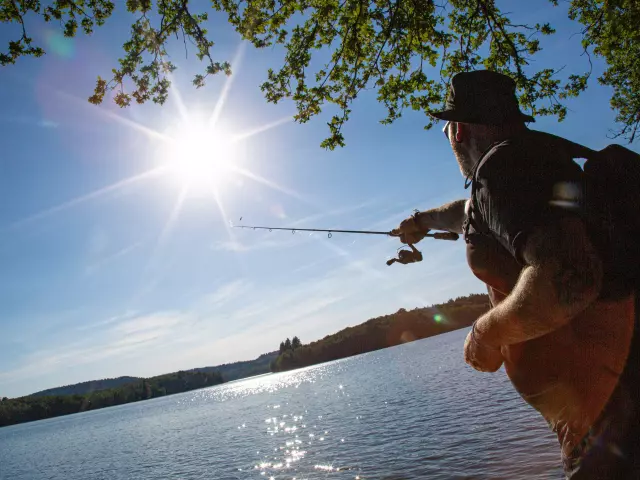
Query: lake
x=413 y=411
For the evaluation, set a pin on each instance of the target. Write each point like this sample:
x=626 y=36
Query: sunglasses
x=446 y=129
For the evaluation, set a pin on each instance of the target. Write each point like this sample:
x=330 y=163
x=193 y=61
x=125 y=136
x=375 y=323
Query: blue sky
x=107 y=271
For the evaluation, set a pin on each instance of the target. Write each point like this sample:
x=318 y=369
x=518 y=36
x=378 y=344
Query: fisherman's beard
x=466 y=161
x=466 y=157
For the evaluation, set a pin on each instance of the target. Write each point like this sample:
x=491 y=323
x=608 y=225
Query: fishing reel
x=406 y=256
x=414 y=255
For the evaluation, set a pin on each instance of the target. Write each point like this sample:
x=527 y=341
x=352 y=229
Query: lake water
x=414 y=411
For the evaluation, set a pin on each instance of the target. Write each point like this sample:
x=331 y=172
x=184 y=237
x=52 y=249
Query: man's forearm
x=449 y=217
x=530 y=311
x=549 y=293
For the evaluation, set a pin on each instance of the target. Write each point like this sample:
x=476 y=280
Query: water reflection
x=270 y=383
x=410 y=412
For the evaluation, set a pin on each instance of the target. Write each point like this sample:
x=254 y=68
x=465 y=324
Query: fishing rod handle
x=446 y=236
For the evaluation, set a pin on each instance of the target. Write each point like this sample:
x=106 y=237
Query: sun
x=199 y=157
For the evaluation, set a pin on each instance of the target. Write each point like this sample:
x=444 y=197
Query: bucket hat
x=482 y=97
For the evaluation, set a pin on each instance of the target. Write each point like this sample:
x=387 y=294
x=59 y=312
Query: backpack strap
x=473 y=217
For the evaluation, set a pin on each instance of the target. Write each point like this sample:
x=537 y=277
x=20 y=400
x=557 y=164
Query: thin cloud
x=128 y=336
x=226 y=293
x=258 y=244
x=94 y=267
x=48 y=124
x=109 y=321
x=23 y=120
x=314 y=263
x=154 y=322
x=336 y=212
x=101 y=192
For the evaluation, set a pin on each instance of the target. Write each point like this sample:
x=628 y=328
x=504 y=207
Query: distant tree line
x=287 y=349
x=238 y=370
x=386 y=331
x=27 y=409
x=87 y=387
x=290 y=345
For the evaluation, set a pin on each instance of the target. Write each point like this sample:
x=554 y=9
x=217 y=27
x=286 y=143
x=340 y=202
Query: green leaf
x=405 y=51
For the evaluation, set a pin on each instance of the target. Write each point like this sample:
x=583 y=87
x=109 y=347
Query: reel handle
x=446 y=236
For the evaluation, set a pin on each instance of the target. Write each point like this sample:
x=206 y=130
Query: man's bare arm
x=448 y=217
x=562 y=277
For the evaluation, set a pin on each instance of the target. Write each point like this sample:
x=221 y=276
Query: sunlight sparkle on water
x=326 y=468
x=286 y=429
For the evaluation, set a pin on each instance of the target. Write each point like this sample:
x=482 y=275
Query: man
x=563 y=330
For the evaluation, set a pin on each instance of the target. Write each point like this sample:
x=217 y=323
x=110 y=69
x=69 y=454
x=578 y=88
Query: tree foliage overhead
x=611 y=32
x=406 y=50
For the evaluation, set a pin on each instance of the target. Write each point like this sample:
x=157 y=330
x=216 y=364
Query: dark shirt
x=527 y=182
x=523 y=183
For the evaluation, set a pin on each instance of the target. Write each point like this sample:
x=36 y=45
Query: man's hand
x=482 y=357
x=448 y=218
x=410 y=231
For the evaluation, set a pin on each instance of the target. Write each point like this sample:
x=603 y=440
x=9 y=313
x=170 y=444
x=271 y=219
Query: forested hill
x=229 y=371
x=237 y=370
x=96 y=394
x=87 y=387
x=386 y=331
x=27 y=409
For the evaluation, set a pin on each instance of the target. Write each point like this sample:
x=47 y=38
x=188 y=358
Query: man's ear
x=461 y=132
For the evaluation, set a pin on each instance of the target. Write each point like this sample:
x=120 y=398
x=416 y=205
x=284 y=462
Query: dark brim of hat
x=483 y=118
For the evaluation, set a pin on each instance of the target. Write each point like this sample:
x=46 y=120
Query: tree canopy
x=406 y=50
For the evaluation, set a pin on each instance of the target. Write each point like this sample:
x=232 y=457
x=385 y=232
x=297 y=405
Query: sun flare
x=199 y=157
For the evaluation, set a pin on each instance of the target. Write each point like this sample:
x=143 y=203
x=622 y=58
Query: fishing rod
x=436 y=235
x=404 y=256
